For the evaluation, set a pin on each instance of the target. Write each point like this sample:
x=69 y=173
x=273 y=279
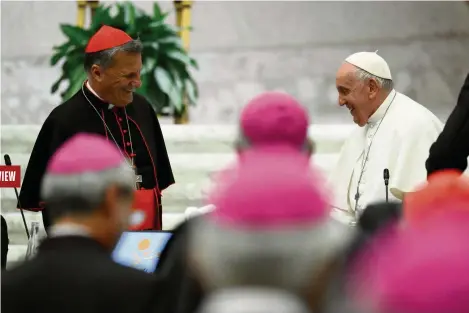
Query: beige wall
x=246 y=47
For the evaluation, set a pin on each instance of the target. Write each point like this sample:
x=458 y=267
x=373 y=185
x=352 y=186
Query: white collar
x=94 y=93
x=379 y=113
x=68 y=229
x=235 y=300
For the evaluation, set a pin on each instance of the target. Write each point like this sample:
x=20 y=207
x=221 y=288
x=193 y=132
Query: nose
x=137 y=82
x=341 y=101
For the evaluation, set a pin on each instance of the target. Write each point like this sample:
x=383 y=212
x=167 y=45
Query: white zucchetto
x=370 y=62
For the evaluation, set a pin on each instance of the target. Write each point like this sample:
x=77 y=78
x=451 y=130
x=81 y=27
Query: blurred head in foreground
x=87 y=189
x=414 y=270
x=272 y=123
x=271 y=229
x=444 y=191
x=274 y=119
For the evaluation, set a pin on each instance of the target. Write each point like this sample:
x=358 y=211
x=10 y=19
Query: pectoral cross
x=138 y=178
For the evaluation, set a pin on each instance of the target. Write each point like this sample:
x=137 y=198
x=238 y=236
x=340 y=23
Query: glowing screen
x=140 y=249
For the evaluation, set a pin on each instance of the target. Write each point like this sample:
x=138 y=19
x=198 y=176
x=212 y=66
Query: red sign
x=10 y=176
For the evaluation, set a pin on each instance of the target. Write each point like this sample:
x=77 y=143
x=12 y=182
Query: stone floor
x=196 y=151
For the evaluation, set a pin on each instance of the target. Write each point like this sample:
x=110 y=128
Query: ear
x=373 y=88
x=110 y=199
x=96 y=72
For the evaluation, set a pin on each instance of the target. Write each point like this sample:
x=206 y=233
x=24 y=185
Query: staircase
x=195 y=151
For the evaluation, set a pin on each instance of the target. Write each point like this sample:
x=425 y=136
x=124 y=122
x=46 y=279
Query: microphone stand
x=8 y=163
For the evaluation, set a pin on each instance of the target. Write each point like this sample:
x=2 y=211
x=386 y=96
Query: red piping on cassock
x=151 y=157
x=122 y=133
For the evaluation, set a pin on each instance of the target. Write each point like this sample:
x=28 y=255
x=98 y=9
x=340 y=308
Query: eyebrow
x=128 y=73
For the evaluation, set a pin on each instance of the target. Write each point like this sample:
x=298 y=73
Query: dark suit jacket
x=451 y=149
x=76 y=275
x=184 y=293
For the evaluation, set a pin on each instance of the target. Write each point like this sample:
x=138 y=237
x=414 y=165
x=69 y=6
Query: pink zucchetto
x=271 y=189
x=85 y=153
x=422 y=269
x=274 y=118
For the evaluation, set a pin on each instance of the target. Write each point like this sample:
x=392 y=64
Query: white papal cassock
x=397 y=137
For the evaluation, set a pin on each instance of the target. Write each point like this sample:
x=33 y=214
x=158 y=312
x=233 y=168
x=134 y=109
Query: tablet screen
x=140 y=249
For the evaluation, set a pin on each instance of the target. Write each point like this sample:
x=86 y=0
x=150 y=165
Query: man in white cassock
x=394 y=133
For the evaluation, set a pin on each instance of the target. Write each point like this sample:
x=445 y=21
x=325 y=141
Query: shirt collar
x=68 y=229
x=379 y=114
x=110 y=106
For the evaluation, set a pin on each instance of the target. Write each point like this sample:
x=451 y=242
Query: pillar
x=81 y=13
x=183 y=21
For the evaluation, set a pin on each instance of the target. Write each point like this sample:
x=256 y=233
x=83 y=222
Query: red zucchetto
x=107 y=37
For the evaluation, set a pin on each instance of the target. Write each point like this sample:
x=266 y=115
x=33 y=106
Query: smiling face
x=357 y=95
x=118 y=82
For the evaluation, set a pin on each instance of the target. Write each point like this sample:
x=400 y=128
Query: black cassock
x=141 y=136
x=451 y=149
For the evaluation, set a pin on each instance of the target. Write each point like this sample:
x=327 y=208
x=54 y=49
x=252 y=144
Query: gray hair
x=287 y=259
x=104 y=58
x=386 y=84
x=83 y=193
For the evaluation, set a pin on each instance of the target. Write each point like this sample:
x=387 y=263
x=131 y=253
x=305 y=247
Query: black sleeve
x=451 y=149
x=163 y=166
x=50 y=138
x=5 y=242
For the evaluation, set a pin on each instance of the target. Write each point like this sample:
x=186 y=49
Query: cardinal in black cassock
x=107 y=105
x=451 y=149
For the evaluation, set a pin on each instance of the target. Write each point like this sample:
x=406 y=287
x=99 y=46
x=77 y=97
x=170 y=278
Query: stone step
x=185 y=138
x=192 y=173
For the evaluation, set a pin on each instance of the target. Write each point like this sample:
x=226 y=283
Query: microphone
x=386 y=182
x=8 y=163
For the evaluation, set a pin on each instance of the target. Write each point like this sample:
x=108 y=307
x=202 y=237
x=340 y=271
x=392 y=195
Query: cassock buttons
x=124 y=131
x=128 y=144
x=120 y=119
